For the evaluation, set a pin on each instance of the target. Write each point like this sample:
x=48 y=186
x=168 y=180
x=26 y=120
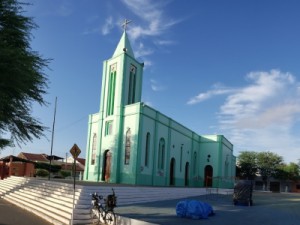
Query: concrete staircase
x=53 y=200
x=50 y=200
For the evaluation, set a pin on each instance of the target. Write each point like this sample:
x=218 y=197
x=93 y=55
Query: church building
x=130 y=142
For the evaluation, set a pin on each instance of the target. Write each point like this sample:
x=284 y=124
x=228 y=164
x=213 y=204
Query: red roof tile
x=69 y=167
x=33 y=157
x=81 y=161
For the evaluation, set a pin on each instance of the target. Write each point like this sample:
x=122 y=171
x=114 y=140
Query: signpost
x=75 y=152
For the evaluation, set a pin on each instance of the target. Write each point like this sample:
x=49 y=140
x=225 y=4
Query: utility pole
x=52 y=138
x=75 y=151
x=66 y=162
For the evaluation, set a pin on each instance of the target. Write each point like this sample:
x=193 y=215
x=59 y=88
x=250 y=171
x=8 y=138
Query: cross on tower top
x=126 y=22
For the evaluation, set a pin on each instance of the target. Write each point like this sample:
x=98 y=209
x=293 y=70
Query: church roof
x=124 y=46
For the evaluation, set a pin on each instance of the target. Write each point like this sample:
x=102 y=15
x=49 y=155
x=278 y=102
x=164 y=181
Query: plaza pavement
x=13 y=215
x=268 y=209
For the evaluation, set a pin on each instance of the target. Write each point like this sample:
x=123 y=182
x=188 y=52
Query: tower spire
x=124 y=25
x=124 y=44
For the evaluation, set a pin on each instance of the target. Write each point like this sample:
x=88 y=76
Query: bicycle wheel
x=94 y=215
x=110 y=218
x=101 y=216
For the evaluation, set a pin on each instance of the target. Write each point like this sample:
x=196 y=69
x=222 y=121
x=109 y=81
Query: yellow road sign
x=75 y=151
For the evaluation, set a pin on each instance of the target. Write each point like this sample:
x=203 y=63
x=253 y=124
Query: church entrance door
x=208 y=176
x=186 y=175
x=172 y=172
x=106 y=166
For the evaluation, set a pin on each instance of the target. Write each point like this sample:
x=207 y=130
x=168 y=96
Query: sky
x=217 y=67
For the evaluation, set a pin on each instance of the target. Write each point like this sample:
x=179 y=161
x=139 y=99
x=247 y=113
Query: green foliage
x=268 y=164
x=22 y=79
x=247 y=166
x=289 y=172
x=42 y=173
x=65 y=173
x=46 y=166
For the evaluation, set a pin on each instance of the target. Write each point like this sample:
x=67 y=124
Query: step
x=53 y=200
x=9 y=185
x=44 y=213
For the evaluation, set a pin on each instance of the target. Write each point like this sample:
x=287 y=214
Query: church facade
x=131 y=143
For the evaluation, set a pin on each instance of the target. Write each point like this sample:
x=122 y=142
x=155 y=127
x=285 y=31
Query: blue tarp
x=194 y=209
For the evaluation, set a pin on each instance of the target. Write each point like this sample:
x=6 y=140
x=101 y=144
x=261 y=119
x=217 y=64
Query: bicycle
x=103 y=213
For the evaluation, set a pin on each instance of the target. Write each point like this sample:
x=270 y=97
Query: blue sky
x=217 y=67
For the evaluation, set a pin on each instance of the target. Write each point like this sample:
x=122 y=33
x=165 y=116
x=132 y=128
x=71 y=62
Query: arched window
x=94 y=146
x=161 y=154
x=172 y=172
x=181 y=151
x=186 y=174
x=147 y=149
x=131 y=88
x=127 y=146
x=111 y=90
x=108 y=127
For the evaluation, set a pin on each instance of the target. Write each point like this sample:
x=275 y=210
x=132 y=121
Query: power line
x=71 y=124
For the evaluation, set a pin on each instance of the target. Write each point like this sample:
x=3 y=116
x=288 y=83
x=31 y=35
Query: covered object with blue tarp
x=194 y=209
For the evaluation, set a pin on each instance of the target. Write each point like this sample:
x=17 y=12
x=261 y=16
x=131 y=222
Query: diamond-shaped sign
x=75 y=151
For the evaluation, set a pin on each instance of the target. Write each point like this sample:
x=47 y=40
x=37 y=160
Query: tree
x=289 y=172
x=42 y=173
x=247 y=166
x=65 y=173
x=22 y=79
x=268 y=164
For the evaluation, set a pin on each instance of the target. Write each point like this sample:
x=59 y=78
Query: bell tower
x=121 y=86
x=122 y=78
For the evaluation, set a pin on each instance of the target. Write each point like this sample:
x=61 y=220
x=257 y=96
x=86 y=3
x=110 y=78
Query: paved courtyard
x=268 y=209
x=13 y=215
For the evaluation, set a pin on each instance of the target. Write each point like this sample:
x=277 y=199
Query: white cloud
x=262 y=115
x=108 y=26
x=217 y=90
x=147 y=63
x=164 y=42
x=153 y=23
x=143 y=51
x=268 y=89
x=281 y=114
x=156 y=86
x=152 y=14
x=104 y=29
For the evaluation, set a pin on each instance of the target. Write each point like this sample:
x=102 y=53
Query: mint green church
x=131 y=143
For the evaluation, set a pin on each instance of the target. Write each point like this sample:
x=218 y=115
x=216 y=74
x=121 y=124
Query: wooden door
x=208 y=176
